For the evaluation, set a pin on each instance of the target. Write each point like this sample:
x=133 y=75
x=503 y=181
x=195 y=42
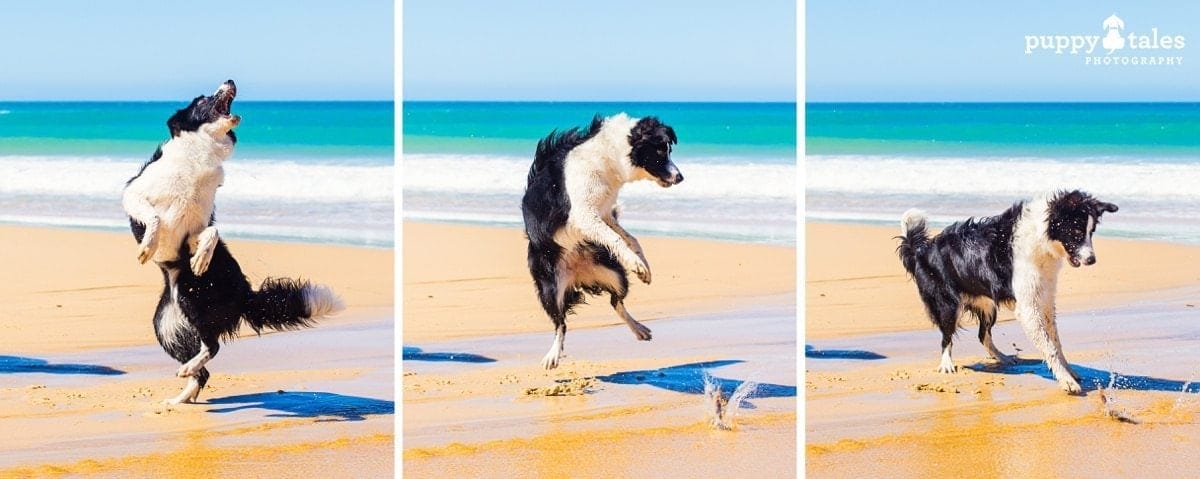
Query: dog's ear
x=643 y=130
x=671 y=134
x=178 y=121
x=1103 y=207
x=1068 y=201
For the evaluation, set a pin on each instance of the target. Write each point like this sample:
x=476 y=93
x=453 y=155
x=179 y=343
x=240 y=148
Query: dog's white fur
x=1036 y=264
x=594 y=173
x=174 y=196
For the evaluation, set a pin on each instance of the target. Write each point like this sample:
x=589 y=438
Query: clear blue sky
x=167 y=50
x=660 y=50
x=925 y=50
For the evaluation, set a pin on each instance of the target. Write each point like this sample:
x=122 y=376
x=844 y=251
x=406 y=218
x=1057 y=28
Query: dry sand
x=875 y=406
x=82 y=377
x=476 y=400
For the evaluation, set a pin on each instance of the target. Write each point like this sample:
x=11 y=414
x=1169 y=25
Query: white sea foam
x=1016 y=177
x=244 y=179
x=1158 y=198
x=482 y=174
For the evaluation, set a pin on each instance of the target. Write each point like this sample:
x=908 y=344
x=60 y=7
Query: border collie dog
x=205 y=296
x=570 y=211
x=1012 y=259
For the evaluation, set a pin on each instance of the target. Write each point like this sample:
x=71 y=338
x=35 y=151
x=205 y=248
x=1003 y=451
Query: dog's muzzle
x=1086 y=261
x=674 y=177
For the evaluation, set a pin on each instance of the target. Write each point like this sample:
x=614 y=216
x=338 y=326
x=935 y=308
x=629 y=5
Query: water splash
x=1109 y=401
x=724 y=409
x=1184 y=395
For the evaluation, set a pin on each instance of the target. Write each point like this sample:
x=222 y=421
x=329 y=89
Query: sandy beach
x=875 y=406
x=476 y=398
x=82 y=377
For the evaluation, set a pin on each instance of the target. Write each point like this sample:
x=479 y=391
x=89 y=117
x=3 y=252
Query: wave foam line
x=878 y=175
x=480 y=174
x=282 y=180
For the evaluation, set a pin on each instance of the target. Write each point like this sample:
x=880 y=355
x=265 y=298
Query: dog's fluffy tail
x=914 y=238
x=284 y=304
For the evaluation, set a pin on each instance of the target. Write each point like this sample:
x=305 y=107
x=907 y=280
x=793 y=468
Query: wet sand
x=82 y=378
x=875 y=405
x=477 y=400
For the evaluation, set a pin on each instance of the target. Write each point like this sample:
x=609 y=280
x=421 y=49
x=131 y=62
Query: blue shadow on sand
x=1090 y=378
x=18 y=365
x=328 y=406
x=689 y=379
x=411 y=353
x=814 y=353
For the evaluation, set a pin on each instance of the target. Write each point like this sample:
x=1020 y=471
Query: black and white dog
x=1012 y=259
x=575 y=243
x=206 y=296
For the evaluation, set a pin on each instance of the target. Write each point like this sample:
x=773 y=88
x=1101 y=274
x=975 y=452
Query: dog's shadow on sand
x=326 y=406
x=1090 y=379
x=22 y=365
x=689 y=379
x=811 y=352
x=411 y=353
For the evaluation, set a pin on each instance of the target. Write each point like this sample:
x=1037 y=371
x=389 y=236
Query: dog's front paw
x=145 y=252
x=642 y=270
x=200 y=262
x=641 y=331
x=550 y=361
x=1071 y=386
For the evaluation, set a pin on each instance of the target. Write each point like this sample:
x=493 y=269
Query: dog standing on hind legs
x=570 y=213
x=205 y=296
x=1012 y=259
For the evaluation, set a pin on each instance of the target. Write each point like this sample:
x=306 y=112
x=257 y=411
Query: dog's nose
x=1091 y=260
x=678 y=178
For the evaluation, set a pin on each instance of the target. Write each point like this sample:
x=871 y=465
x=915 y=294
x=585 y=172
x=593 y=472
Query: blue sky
x=155 y=50
x=927 y=50
x=628 y=50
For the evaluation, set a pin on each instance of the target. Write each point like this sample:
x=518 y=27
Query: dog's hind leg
x=639 y=329
x=947 y=322
x=554 y=355
x=557 y=297
x=986 y=315
x=606 y=273
x=208 y=349
x=188 y=394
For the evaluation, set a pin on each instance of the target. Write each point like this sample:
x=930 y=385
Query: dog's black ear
x=643 y=130
x=1106 y=207
x=178 y=122
x=1067 y=201
x=671 y=134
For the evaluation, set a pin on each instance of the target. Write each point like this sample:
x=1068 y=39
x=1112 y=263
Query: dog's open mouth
x=223 y=99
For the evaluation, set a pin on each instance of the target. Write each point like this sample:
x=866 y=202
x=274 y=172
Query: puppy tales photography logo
x=1116 y=45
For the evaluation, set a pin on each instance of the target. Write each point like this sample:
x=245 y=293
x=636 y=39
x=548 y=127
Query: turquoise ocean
x=302 y=171
x=869 y=162
x=467 y=162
